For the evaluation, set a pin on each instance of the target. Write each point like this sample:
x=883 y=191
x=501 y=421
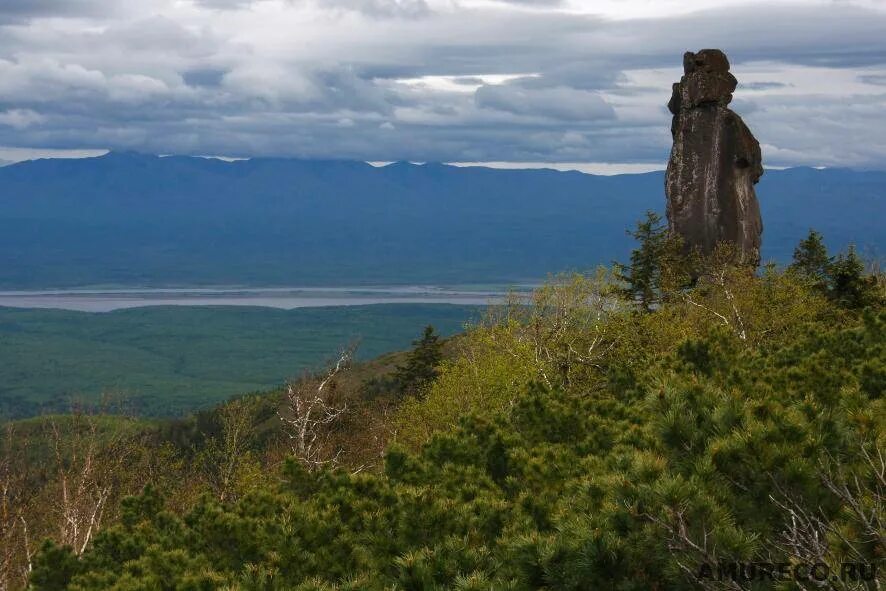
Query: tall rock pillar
x=715 y=162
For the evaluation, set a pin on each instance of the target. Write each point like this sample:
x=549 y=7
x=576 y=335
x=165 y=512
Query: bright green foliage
x=421 y=366
x=562 y=336
x=606 y=450
x=570 y=444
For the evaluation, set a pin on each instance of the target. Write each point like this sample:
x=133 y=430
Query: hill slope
x=138 y=219
x=558 y=448
x=170 y=360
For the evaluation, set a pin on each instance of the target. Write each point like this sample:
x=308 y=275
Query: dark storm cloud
x=534 y=2
x=815 y=35
x=385 y=8
x=374 y=8
x=19 y=10
x=560 y=102
x=224 y=4
x=203 y=77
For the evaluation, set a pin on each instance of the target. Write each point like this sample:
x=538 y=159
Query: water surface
x=287 y=298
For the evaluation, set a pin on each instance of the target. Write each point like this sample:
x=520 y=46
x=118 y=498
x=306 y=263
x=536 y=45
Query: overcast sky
x=507 y=81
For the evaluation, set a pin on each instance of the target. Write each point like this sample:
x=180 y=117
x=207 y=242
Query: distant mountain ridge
x=127 y=218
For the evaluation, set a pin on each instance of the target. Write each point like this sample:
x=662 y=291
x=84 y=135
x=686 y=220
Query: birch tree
x=89 y=454
x=310 y=415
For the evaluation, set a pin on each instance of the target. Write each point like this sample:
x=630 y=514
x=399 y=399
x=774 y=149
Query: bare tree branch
x=810 y=535
x=310 y=415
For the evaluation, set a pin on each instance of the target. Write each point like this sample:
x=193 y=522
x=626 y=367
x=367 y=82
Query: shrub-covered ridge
x=576 y=442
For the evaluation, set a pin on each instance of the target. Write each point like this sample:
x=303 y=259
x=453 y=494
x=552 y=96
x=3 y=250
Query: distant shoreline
x=286 y=298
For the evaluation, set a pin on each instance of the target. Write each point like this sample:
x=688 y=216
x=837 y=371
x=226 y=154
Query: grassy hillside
x=169 y=360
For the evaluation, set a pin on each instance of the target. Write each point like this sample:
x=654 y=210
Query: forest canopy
x=615 y=431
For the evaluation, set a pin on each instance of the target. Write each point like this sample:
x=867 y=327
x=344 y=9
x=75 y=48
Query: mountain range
x=128 y=218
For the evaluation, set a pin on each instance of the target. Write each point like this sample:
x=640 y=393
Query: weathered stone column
x=715 y=162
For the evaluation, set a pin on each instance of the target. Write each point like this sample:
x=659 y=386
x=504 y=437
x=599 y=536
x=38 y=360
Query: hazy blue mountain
x=133 y=218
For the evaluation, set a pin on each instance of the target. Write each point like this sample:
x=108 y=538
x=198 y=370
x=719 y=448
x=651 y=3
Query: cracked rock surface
x=715 y=162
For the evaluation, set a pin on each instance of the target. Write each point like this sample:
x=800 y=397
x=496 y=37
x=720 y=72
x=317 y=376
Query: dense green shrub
x=681 y=450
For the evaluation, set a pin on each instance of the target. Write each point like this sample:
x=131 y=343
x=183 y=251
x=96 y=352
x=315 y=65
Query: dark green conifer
x=53 y=567
x=850 y=286
x=657 y=265
x=841 y=278
x=811 y=260
x=421 y=366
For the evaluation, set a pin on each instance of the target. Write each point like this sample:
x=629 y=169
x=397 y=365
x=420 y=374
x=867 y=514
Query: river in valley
x=106 y=300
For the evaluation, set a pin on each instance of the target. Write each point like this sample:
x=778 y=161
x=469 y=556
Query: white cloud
x=20 y=118
x=457 y=80
x=15 y=154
